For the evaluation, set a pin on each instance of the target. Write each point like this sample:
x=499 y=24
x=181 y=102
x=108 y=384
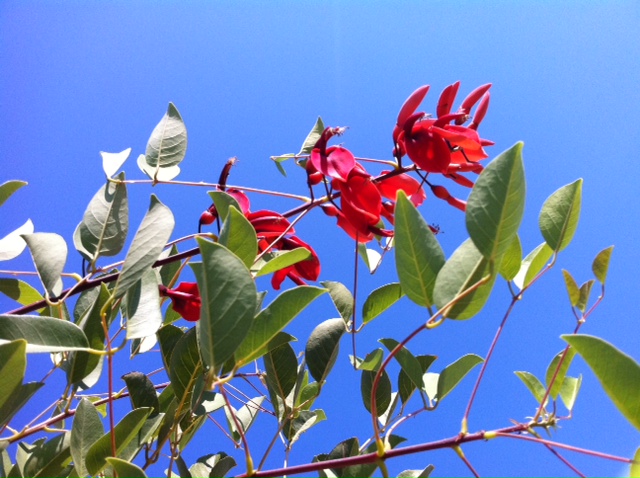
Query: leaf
x=406 y=386
x=312 y=138
x=532 y=265
x=8 y=188
x=124 y=468
x=20 y=291
x=341 y=298
x=271 y=320
x=617 y=372
x=167 y=145
x=245 y=416
x=585 y=292
x=157 y=174
x=223 y=202
x=496 y=204
x=142 y=306
x=86 y=430
x=277 y=260
x=344 y=449
x=105 y=224
x=281 y=365
x=186 y=367
x=417 y=473
x=510 y=263
x=380 y=300
x=48 y=458
x=464 y=269
x=142 y=393
x=371 y=362
x=371 y=257
x=407 y=361
x=228 y=295
x=125 y=431
x=17 y=400
x=560 y=214
x=562 y=372
x=239 y=236
x=294 y=428
x=569 y=391
x=49 y=253
x=43 y=334
x=13 y=364
x=453 y=373
x=533 y=384
x=12 y=245
x=222 y=465
x=111 y=162
x=153 y=234
x=600 y=264
x=383 y=391
x=572 y=288
x=322 y=348
x=419 y=256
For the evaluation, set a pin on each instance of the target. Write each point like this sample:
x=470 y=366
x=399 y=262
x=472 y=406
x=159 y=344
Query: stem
x=355 y=294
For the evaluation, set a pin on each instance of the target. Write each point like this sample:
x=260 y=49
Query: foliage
x=231 y=338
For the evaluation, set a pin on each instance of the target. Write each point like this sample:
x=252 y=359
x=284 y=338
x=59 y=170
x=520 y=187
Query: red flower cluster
x=361 y=197
x=185 y=300
x=274 y=232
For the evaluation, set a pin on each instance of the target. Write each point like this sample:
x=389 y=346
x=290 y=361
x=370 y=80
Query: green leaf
x=105 y=224
x=12 y=245
x=371 y=257
x=343 y=449
x=142 y=306
x=383 y=391
x=322 y=348
x=417 y=473
x=223 y=202
x=560 y=214
x=371 y=362
x=222 y=463
x=281 y=365
x=185 y=368
x=13 y=364
x=20 y=291
x=496 y=204
x=239 y=236
x=125 y=431
x=167 y=145
x=246 y=416
x=453 y=373
x=43 y=334
x=407 y=361
x=341 y=298
x=124 y=468
x=562 y=372
x=276 y=260
x=271 y=320
x=600 y=264
x=532 y=265
x=305 y=419
x=142 y=393
x=49 y=458
x=16 y=400
x=533 y=384
x=572 y=288
x=406 y=386
x=157 y=174
x=569 y=391
x=463 y=270
x=111 y=162
x=8 y=188
x=228 y=295
x=312 y=138
x=86 y=430
x=169 y=270
x=168 y=337
x=153 y=234
x=510 y=263
x=380 y=300
x=419 y=256
x=585 y=292
x=617 y=372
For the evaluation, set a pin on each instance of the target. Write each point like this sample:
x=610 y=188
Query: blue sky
x=250 y=78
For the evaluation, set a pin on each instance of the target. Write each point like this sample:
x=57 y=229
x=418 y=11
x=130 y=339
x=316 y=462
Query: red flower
x=389 y=188
x=185 y=300
x=335 y=162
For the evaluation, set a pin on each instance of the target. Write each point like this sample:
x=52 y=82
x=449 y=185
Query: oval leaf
x=380 y=300
x=322 y=348
x=43 y=334
x=86 y=430
x=342 y=298
x=451 y=376
x=239 y=236
x=8 y=188
x=49 y=252
x=407 y=361
x=167 y=145
x=276 y=260
x=13 y=244
x=532 y=264
x=600 y=264
x=124 y=468
x=111 y=162
x=383 y=391
x=510 y=263
x=562 y=372
x=142 y=307
x=20 y=291
x=533 y=384
x=560 y=214
x=312 y=138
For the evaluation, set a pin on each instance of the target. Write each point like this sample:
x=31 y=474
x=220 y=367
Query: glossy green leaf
x=125 y=431
x=87 y=429
x=150 y=239
x=572 y=288
x=560 y=214
x=322 y=348
x=185 y=367
x=142 y=393
x=600 y=264
x=245 y=416
x=239 y=236
x=20 y=291
x=380 y=300
x=169 y=270
x=111 y=162
x=345 y=449
x=12 y=245
x=49 y=458
x=383 y=391
x=463 y=270
x=8 y=188
x=142 y=306
x=496 y=204
x=562 y=371
x=43 y=334
x=305 y=419
x=453 y=373
x=229 y=297
x=223 y=202
x=406 y=386
x=281 y=365
x=13 y=364
x=533 y=384
x=569 y=391
x=585 y=293
x=276 y=260
x=634 y=472
x=275 y=317
x=167 y=145
x=168 y=337
x=16 y=400
x=313 y=137
x=105 y=224
x=617 y=372
x=419 y=256
x=407 y=361
x=341 y=297
x=531 y=265
x=124 y=468
x=371 y=362
x=511 y=260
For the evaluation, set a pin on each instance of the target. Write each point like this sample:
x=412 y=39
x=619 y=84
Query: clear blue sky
x=250 y=78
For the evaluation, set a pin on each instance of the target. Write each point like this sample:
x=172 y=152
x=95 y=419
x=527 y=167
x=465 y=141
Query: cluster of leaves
x=236 y=329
